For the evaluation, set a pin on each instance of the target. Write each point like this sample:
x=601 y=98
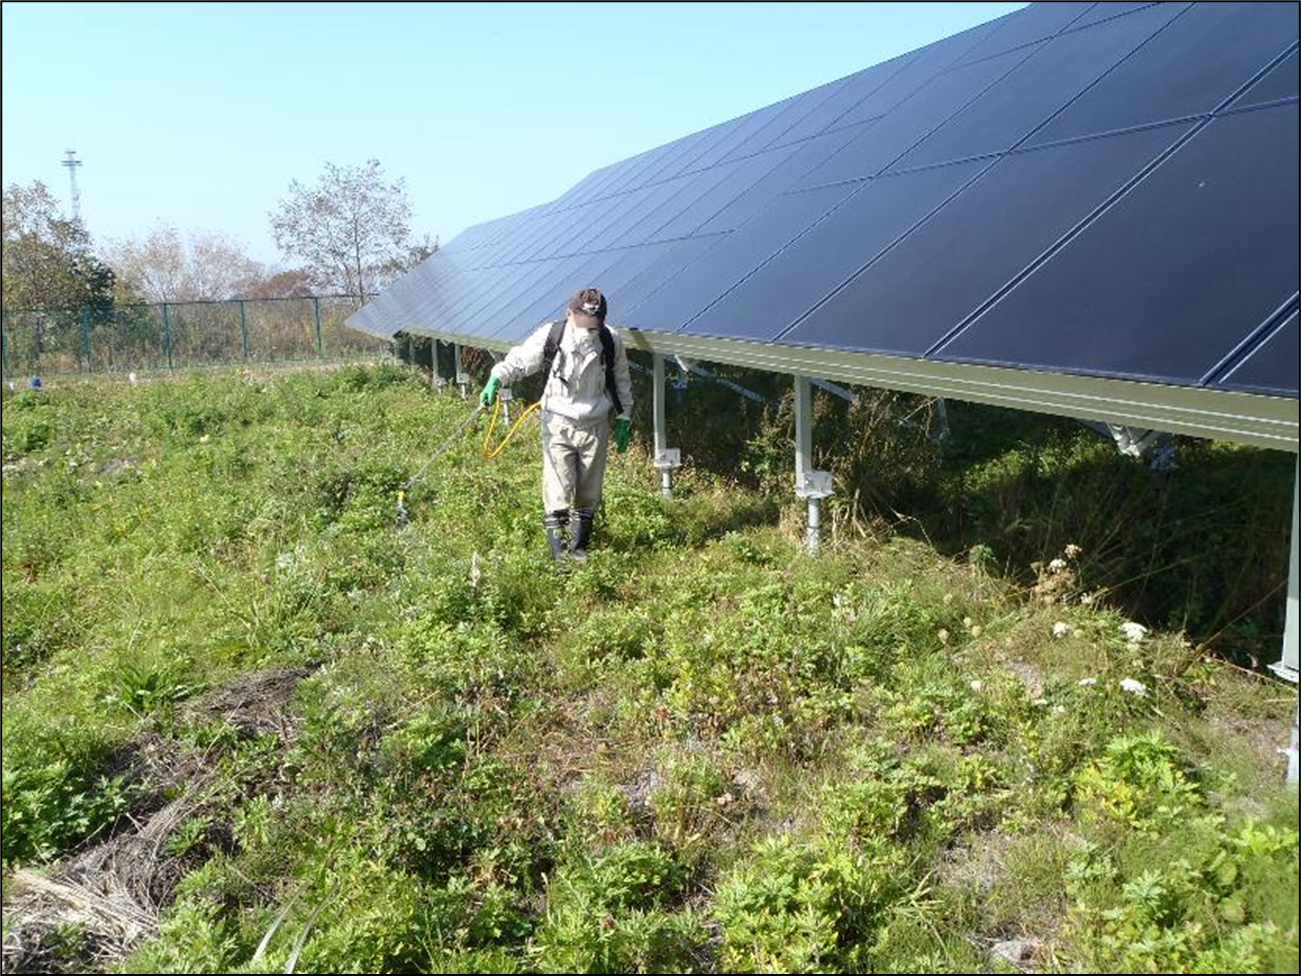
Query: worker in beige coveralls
x=587 y=381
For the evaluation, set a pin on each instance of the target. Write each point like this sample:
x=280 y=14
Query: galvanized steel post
x=666 y=458
x=462 y=379
x=243 y=329
x=809 y=484
x=1287 y=667
x=316 y=307
x=167 y=335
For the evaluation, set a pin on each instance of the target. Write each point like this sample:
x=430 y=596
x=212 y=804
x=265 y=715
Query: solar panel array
x=1106 y=190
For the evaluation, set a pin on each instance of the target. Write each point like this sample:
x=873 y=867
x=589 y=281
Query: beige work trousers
x=573 y=462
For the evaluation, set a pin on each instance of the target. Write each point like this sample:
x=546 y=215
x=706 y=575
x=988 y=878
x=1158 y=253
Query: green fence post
x=167 y=335
x=316 y=303
x=243 y=328
x=85 y=334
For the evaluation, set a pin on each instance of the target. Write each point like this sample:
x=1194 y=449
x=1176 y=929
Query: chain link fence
x=183 y=335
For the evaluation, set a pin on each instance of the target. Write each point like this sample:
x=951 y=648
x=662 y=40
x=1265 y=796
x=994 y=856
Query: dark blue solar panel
x=882 y=142
x=662 y=271
x=1105 y=11
x=855 y=88
x=662 y=198
x=1272 y=367
x=722 y=149
x=749 y=200
x=735 y=256
x=1173 y=276
x=1202 y=58
x=630 y=263
x=584 y=271
x=530 y=236
x=920 y=68
x=792 y=111
x=1037 y=22
x=583 y=187
x=516 y=288
x=518 y=293
x=465 y=289
x=739 y=177
x=677 y=162
x=1028 y=95
x=483 y=284
x=1281 y=82
x=651 y=162
x=559 y=241
x=945 y=269
x=882 y=211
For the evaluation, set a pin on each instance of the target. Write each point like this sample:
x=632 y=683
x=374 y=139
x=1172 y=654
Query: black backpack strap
x=607 y=354
x=549 y=350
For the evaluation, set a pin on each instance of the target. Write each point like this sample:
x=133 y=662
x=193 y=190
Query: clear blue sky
x=200 y=114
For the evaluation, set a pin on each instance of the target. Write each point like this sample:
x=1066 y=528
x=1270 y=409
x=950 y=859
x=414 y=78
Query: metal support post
x=462 y=377
x=809 y=484
x=942 y=419
x=316 y=309
x=167 y=335
x=436 y=378
x=803 y=429
x=666 y=459
x=1287 y=667
x=243 y=329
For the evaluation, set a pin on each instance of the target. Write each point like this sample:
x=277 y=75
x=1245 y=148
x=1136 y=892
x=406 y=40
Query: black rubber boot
x=555 y=523
x=581 y=530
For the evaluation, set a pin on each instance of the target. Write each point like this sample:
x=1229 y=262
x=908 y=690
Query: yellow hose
x=492 y=452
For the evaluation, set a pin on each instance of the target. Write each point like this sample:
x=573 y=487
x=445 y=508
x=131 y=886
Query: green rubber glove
x=489 y=393
x=622 y=434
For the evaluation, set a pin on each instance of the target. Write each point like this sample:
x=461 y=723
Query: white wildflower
x=975 y=631
x=977 y=685
x=1057 y=565
x=1133 y=632
x=943 y=635
x=1072 y=551
x=1061 y=629
x=1087 y=682
x=1040 y=702
x=1133 y=687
